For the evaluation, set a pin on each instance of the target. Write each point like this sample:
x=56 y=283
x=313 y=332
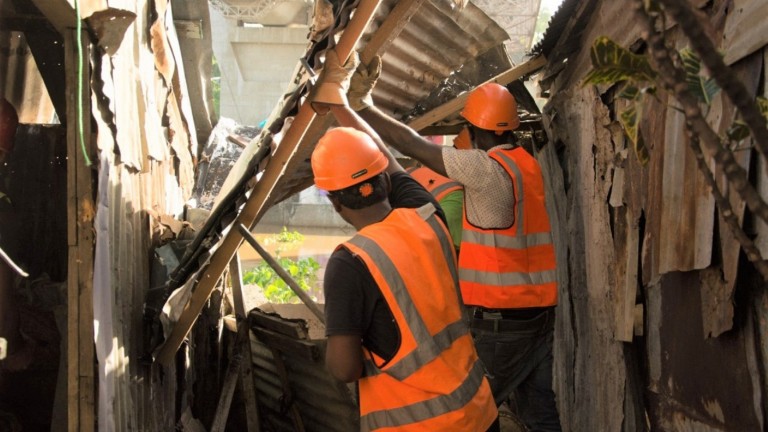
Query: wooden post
x=80 y=237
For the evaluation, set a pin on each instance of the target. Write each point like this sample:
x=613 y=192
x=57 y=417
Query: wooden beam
x=453 y=107
x=255 y=206
x=390 y=29
x=29 y=24
x=61 y=13
x=80 y=214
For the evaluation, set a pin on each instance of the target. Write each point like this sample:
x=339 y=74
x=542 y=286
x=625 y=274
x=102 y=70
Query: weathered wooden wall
x=650 y=239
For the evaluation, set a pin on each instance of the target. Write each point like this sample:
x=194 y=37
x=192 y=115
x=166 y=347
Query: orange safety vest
x=439 y=186
x=512 y=267
x=435 y=381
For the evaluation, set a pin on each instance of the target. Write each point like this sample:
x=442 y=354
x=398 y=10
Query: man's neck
x=370 y=215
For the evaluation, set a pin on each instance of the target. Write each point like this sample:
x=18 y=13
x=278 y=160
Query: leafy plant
x=613 y=64
x=303 y=271
x=285 y=236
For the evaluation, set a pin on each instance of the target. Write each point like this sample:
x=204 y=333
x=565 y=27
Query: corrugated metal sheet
x=437 y=42
x=322 y=402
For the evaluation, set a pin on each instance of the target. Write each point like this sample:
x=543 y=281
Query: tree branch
x=687 y=19
x=673 y=79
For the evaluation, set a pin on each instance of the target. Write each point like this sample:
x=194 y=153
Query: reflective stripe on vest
x=412 y=362
x=401 y=394
x=439 y=186
x=512 y=267
x=429 y=408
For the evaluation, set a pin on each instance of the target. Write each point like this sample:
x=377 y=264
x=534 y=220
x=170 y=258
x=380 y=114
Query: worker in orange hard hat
x=394 y=318
x=507 y=267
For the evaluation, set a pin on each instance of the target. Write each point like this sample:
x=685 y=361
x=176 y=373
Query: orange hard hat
x=491 y=107
x=463 y=141
x=344 y=157
x=9 y=120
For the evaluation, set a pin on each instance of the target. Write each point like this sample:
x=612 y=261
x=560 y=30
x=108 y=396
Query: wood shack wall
x=661 y=322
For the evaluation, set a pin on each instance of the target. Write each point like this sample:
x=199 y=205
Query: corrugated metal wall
x=650 y=239
x=147 y=144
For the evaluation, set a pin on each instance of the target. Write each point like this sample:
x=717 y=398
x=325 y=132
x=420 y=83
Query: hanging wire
x=80 y=84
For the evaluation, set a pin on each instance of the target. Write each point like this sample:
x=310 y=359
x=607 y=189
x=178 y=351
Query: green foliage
x=739 y=130
x=629 y=119
x=612 y=63
x=303 y=271
x=285 y=237
x=704 y=88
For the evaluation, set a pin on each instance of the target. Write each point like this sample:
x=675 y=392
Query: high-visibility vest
x=435 y=381
x=512 y=267
x=439 y=186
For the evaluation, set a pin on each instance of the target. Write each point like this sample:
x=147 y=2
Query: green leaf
x=739 y=129
x=702 y=87
x=630 y=119
x=762 y=103
x=630 y=92
x=612 y=63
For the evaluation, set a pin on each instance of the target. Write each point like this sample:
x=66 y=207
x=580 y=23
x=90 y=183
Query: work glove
x=333 y=83
x=361 y=87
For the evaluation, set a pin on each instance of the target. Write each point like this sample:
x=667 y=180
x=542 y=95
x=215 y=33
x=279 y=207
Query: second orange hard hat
x=345 y=157
x=492 y=107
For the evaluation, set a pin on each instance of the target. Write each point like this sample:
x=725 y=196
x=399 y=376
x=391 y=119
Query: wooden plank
x=254 y=207
x=295 y=328
x=61 y=13
x=452 y=107
x=390 y=29
x=627 y=255
x=746 y=30
x=286 y=344
x=80 y=213
x=687 y=206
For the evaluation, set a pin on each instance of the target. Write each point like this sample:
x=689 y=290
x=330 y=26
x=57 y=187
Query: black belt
x=512 y=324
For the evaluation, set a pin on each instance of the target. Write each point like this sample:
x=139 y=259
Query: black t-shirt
x=354 y=304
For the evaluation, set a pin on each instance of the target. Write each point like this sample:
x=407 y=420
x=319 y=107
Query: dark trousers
x=517 y=354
